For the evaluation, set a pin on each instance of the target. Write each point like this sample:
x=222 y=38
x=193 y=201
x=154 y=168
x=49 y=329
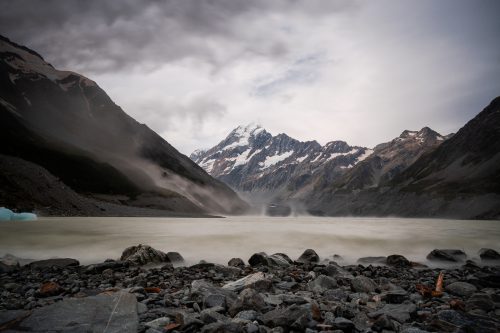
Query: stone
x=372 y=260
x=258 y=281
x=250 y=315
x=210 y=316
x=397 y=260
x=249 y=299
x=58 y=262
x=101 y=267
x=284 y=317
x=115 y=313
x=229 y=327
x=343 y=324
x=383 y=322
x=462 y=289
x=143 y=254
x=236 y=262
x=279 y=260
x=49 y=289
x=158 y=323
x=489 y=255
x=204 y=292
x=4 y=268
x=397 y=296
x=480 y=301
x=258 y=259
x=321 y=284
x=449 y=255
x=399 y=312
x=12 y=317
x=175 y=257
x=309 y=256
x=214 y=300
x=363 y=284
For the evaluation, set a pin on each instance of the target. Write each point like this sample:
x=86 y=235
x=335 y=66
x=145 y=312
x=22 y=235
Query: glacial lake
x=94 y=239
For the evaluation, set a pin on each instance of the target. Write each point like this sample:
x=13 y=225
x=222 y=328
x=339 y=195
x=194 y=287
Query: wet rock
x=397 y=296
x=6 y=268
x=228 y=327
x=99 y=268
x=175 y=257
x=250 y=315
x=363 y=284
x=449 y=255
x=399 y=312
x=209 y=295
x=275 y=260
x=143 y=254
x=334 y=270
x=463 y=289
x=397 y=260
x=214 y=300
x=480 y=301
x=210 y=316
x=109 y=313
x=383 y=323
x=59 y=263
x=158 y=323
x=308 y=257
x=258 y=259
x=258 y=281
x=372 y=260
x=321 y=284
x=489 y=255
x=236 y=262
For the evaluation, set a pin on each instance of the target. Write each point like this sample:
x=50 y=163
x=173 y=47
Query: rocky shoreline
x=151 y=291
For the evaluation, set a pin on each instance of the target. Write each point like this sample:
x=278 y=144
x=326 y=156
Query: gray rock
x=175 y=257
x=109 y=313
x=143 y=254
x=236 y=262
x=11 y=317
x=343 y=324
x=258 y=281
x=6 y=268
x=308 y=257
x=214 y=300
x=463 y=289
x=275 y=260
x=397 y=260
x=363 y=284
x=321 y=284
x=285 y=317
x=399 y=312
x=229 y=327
x=397 y=296
x=59 y=262
x=258 y=259
x=489 y=255
x=249 y=299
x=248 y=315
x=201 y=290
x=450 y=255
x=480 y=301
x=158 y=323
x=413 y=330
x=210 y=316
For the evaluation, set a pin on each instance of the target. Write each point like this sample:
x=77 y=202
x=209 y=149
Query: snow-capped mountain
x=252 y=159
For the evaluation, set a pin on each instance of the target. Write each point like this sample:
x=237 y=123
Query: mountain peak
x=248 y=129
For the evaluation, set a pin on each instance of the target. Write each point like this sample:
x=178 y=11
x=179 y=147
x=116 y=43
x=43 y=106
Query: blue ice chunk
x=8 y=215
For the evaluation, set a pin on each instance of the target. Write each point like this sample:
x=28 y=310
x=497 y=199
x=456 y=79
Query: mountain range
x=68 y=149
x=420 y=173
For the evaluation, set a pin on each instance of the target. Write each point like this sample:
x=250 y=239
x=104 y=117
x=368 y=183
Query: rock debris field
x=147 y=290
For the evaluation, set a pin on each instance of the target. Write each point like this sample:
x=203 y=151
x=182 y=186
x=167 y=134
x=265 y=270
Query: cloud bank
x=361 y=71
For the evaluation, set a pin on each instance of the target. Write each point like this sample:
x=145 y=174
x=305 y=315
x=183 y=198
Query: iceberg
x=8 y=215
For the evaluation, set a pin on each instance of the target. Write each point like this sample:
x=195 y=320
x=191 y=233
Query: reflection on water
x=218 y=240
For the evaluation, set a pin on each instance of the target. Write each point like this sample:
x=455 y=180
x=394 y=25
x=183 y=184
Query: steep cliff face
x=69 y=126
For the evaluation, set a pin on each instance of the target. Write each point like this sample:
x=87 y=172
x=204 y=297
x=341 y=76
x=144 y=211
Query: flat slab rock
x=103 y=313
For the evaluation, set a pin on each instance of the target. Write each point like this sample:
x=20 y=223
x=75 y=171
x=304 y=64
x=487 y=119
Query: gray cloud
x=361 y=71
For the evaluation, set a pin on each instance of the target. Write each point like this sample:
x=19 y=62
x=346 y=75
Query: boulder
x=274 y=260
x=397 y=260
x=462 y=289
x=249 y=299
x=258 y=259
x=144 y=254
x=321 y=284
x=363 y=284
x=175 y=257
x=448 y=255
x=258 y=281
x=236 y=262
x=115 y=313
x=489 y=255
x=285 y=317
x=308 y=257
x=49 y=263
x=205 y=293
x=480 y=301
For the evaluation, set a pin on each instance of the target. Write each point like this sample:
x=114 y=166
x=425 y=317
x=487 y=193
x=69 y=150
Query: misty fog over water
x=95 y=239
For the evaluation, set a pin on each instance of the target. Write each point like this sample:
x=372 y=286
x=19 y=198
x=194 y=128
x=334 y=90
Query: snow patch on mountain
x=272 y=160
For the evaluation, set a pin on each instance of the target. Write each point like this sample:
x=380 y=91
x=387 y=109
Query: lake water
x=217 y=240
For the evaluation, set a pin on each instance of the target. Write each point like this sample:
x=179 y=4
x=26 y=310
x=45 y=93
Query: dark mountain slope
x=67 y=124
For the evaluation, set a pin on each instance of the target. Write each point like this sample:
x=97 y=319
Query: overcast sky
x=359 y=71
